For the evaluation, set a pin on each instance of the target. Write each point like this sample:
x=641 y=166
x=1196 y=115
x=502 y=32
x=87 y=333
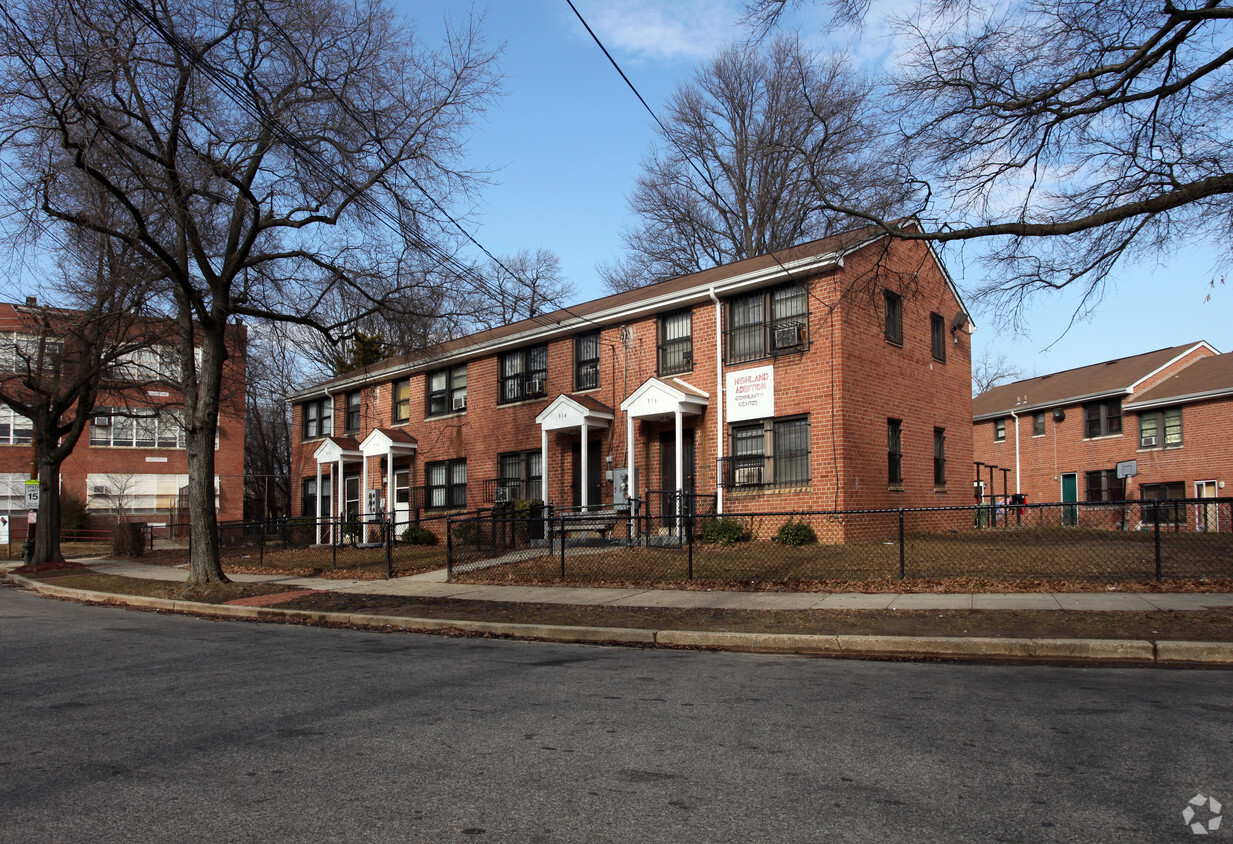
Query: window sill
x=577 y=392
x=745 y=491
x=940 y=490
x=527 y=400
x=896 y=343
x=449 y=415
x=1103 y=437
x=894 y=487
x=938 y=359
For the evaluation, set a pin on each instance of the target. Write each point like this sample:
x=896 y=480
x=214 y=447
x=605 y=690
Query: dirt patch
x=217 y=593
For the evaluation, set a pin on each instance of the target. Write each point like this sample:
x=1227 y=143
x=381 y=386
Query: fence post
x=689 y=534
x=1156 y=531
x=261 y=546
x=901 y=549
x=335 y=538
x=389 y=547
x=561 y=517
x=449 y=549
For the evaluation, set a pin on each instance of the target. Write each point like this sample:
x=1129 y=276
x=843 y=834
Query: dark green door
x=1070 y=494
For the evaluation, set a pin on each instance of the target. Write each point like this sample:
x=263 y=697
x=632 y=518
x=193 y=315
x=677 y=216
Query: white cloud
x=687 y=30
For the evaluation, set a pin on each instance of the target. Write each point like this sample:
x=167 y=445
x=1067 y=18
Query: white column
x=338 y=488
x=543 y=465
x=583 y=467
x=389 y=484
x=629 y=451
x=317 y=503
x=680 y=457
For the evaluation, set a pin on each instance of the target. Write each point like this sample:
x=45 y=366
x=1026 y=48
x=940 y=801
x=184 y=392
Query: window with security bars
x=447 y=390
x=586 y=361
x=1161 y=428
x=520 y=474
x=447 y=484
x=894 y=451
x=524 y=374
x=676 y=343
x=770 y=451
x=767 y=322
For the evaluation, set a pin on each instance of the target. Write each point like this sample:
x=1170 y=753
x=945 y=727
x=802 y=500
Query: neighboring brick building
x=132 y=453
x=844 y=382
x=1169 y=410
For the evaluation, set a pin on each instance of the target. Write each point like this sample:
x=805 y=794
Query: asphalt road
x=130 y=726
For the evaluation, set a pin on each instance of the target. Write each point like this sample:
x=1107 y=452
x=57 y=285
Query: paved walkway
x=433 y=585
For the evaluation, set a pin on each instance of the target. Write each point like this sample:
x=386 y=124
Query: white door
x=402 y=500
x=1206 y=516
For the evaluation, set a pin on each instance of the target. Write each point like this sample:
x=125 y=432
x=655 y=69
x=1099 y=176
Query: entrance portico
x=567 y=413
x=389 y=443
x=659 y=400
x=336 y=452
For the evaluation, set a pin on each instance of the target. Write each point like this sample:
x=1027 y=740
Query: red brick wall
x=849 y=381
x=1205 y=453
x=228 y=457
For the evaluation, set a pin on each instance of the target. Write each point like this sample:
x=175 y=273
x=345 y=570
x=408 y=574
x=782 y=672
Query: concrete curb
x=1106 y=651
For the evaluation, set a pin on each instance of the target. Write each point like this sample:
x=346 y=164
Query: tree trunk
x=47 y=530
x=201 y=417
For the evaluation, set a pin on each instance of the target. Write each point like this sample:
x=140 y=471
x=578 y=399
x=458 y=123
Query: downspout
x=1015 y=416
x=719 y=393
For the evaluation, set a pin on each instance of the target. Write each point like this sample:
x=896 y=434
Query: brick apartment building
x=1063 y=435
x=833 y=375
x=132 y=454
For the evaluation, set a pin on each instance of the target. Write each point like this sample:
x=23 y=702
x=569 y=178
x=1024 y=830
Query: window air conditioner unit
x=1148 y=442
x=502 y=495
x=100 y=490
x=101 y=421
x=749 y=476
x=535 y=386
x=787 y=337
x=460 y=402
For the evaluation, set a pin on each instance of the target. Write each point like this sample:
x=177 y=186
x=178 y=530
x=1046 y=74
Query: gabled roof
x=800 y=261
x=1101 y=380
x=1209 y=378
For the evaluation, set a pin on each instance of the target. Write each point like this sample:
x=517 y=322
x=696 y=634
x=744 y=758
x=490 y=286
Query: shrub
x=465 y=532
x=126 y=539
x=73 y=514
x=796 y=533
x=725 y=531
x=418 y=535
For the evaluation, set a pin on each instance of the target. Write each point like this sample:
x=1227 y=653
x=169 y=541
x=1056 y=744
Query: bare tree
x=514 y=287
x=1072 y=134
x=991 y=370
x=55 y=366
x=266 y=154
x=743 y=152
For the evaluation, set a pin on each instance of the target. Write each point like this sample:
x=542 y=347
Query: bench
x=596 y=521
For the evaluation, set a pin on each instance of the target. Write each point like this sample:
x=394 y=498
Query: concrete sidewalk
x=433 y=585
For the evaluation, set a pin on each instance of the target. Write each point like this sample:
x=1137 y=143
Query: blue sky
x=567 y=138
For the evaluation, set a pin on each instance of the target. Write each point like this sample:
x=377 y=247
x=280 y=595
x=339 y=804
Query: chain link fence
x=1116 y=541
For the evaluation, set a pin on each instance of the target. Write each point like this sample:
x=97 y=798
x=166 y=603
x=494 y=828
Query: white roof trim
x=1202 y=343
x=565 y=413
x=1168 y=401
x=378 y=443
x=330 y=452
x=658 y=398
